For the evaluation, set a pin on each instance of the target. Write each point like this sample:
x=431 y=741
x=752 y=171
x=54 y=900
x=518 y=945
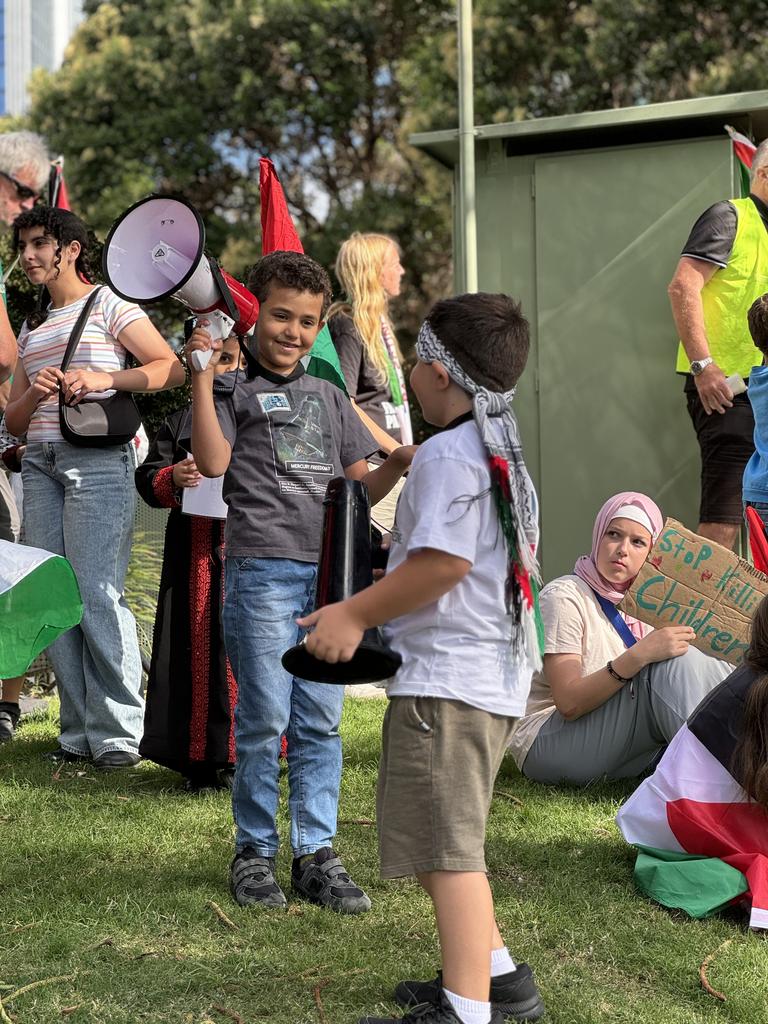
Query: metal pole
x=467 y=147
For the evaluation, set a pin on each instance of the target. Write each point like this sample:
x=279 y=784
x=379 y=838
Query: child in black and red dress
x=188 y=725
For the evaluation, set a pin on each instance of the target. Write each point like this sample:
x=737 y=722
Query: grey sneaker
x=323 y=879
x=252 y=881
x=9 y=719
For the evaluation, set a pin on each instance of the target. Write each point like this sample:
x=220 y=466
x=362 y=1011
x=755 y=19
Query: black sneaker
x=68 y=756
x=113 y=759
x=514 y=994
x=439 y=1011
x=9 y=719
x=322 y=879
x=199 y=780
x=252 y=880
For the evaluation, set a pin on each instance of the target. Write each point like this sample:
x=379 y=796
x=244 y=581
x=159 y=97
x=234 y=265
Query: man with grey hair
x=24 y=169
x=722 y=270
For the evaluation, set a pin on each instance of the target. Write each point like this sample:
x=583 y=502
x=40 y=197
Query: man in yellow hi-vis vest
x=722 y=270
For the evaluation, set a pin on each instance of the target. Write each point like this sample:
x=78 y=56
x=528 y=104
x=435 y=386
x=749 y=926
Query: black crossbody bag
x=96 y=424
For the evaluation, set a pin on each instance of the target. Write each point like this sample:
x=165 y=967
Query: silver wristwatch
x=698 y=365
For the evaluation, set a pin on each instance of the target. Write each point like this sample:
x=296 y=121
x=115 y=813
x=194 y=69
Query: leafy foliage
x=187 y=96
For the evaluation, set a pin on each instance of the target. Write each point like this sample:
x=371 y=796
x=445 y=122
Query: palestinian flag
x=39 y=600
x=703 y=843
x=744 y=151
x=58 y=196
x=278 y=232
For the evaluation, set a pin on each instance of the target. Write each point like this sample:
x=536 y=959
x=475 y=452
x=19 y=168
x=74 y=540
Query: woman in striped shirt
x=79 y=502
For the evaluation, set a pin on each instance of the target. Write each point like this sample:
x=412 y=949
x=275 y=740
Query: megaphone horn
x=155 y=249
x=343 y=570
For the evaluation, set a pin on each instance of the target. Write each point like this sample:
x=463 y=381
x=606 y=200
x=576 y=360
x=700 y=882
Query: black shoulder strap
x=77 y=330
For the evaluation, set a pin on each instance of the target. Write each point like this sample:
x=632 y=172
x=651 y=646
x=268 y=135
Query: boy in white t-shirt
x=459 y=598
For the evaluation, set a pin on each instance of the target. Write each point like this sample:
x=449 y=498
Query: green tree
x=539 y=58
x=187 y=97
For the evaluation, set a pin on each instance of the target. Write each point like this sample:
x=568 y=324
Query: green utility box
x=583 y=219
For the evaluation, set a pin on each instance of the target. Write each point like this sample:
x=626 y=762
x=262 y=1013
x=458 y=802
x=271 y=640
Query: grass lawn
x=106 y=883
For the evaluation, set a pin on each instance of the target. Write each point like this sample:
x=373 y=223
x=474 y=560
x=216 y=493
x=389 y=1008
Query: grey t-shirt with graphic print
x=290 y=436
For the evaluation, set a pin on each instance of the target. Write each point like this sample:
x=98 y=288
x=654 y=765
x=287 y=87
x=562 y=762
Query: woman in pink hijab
x=613 y=692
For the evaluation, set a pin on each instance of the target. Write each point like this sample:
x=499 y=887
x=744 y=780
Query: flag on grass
x=744 y=151
x=278 y=232
x=39 y=600
x=702 y=843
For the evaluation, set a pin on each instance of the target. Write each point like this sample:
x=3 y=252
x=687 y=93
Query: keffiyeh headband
x=513 y=495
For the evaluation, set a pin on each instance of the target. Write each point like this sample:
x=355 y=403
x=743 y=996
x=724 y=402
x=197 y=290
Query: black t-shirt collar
x=255 y=369
x=464 y=418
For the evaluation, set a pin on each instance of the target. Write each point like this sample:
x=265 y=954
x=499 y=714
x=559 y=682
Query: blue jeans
x=79 y=502
x=264 y=597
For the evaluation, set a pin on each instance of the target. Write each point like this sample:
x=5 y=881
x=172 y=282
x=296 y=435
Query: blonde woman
x=369 y=270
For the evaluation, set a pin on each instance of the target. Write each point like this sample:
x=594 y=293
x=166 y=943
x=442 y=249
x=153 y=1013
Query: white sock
x=501 y=962
x=469 y=1011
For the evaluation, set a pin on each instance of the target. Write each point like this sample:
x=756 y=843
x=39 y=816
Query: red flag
x=758 y=542
x=744 y=151
x=57 y=187
x=277 y=230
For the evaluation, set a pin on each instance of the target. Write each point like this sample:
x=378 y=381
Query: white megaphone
x=156 y=249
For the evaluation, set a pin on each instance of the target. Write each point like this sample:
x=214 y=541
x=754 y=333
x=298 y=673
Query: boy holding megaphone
x=279 y=437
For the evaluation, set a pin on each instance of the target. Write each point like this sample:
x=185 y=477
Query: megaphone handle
x=200 y=358
x=219 y=324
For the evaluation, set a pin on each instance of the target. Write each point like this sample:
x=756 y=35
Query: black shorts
x=726 y=441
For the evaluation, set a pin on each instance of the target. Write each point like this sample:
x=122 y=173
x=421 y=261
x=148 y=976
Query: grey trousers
x=622 y=738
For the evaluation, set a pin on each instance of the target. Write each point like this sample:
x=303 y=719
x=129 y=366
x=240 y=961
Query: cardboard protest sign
x=691 y=581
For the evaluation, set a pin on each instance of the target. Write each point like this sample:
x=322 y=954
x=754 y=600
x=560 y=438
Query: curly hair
x=358 y=267
x=64 y=227
x=291 y=270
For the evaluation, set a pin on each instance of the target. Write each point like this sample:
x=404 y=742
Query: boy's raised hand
x=333 y=632
x=201 y=341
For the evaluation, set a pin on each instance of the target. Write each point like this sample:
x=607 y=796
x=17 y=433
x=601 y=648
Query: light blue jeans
x=264 y=597
x=79 y=502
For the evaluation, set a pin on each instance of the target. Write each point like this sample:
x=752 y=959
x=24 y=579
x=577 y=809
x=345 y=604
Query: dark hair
x=65 y=227
x=62 y=225
x=486 y=334
x=751 y=756
x=291 y=270
x=757 y=318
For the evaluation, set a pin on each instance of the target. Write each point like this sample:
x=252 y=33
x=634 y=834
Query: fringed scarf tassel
x=521 y=589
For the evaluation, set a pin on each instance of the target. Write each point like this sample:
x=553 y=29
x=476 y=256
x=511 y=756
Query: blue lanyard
x=612 y=614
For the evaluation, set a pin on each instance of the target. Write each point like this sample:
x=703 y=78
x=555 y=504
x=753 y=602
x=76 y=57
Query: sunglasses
x=22 y=191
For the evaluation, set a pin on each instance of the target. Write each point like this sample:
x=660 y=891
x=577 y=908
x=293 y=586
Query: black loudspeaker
x=343 y=570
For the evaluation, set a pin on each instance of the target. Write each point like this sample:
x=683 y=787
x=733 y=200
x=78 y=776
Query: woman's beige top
x=574 y=623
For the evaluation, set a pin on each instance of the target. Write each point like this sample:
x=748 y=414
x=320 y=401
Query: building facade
x=33 y=34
